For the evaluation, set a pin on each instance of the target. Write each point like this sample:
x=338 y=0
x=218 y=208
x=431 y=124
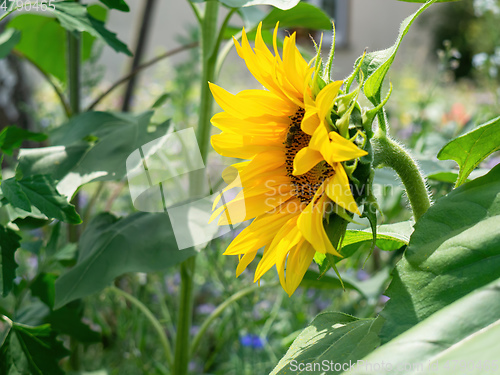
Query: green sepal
x=355 y=74
x=370 y=114
x=328 y=66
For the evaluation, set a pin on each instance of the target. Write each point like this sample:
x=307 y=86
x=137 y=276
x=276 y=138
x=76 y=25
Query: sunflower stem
x=182 y=353
x=209 y=49
x=388 y=152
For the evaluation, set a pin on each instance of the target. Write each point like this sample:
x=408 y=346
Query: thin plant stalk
x=74 y=87
x=152 y=319
x=220 y=309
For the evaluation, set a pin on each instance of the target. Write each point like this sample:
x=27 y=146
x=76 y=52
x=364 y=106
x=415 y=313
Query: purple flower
x=362 y=275
x=252 y=341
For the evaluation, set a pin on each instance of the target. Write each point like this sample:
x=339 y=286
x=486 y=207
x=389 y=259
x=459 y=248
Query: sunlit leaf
x=302 y=15
x=460 y=338
x=331 y=336
x=41 y=192
x=77 y=162
x=472 y=148
x=376 y=64
x=43 y=41
x=11 y=137
x=454 y=250
x=74 y=17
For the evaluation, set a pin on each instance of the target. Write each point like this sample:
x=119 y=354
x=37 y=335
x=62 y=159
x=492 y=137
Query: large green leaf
x=76 y=162
x=376 y=64
x=333 y=337
x=75 y=17
x=43 y=41
x=40 y=191
x=8 y=39
x=31 y=350
x=116 y=4
x=454 y=250
x=462 y=338
x=302 y=15
x=11 y=137
x=472 y=148
x=109 y=247
x=9 y=243
x=281 y=4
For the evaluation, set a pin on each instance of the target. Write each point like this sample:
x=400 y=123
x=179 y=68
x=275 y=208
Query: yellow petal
x=258 y=234
x=310 y=223
x=299 y=260
x=284 y=239
x=305 y=159
x=242 y=147
x=245 y=261
x=326 y=97
x=339 y=191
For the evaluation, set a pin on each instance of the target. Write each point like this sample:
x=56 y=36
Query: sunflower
x=294 y=173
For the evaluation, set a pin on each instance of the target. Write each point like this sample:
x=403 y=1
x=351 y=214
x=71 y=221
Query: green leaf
x=11 y=137
x=376 y=64
x=68 y=320
x=454 y=250
x=161 y=100
x=116 y=4
x=389 y=236
x=43 y=288
x=110 y=247
x=8 y=39
x=302 y=15
x=13 y=192
x=281 y=4
x=331 y=336
x=423 y=1
x=42 y=193
x=9 y=243
x=76 y=162
x=448 y=342
x=43 y=41
x=74 y=17
x=313 y=279
x=31 y=350
x=472 y=148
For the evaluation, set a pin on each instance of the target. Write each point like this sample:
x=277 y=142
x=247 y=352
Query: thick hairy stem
x=388 y=152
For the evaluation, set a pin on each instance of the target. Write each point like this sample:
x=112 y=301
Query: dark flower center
x=305 y=185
